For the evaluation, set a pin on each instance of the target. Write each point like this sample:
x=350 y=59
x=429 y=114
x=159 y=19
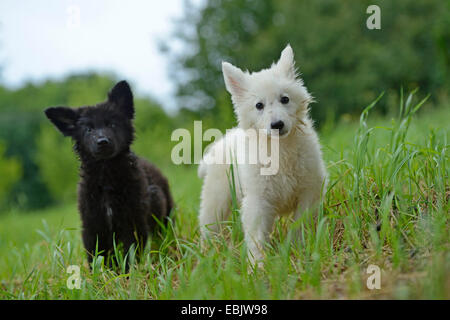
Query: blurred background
x=72 y=52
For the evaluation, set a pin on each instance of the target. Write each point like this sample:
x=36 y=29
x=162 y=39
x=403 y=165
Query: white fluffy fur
x=301 y=176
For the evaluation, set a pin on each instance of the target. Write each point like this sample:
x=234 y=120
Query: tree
x=10 y=173
x=221 y=30
x=344 y=64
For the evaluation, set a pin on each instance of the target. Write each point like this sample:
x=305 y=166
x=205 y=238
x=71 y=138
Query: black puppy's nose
x=103 y=141
x=277 y=125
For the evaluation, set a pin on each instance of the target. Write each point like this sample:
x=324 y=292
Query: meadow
x=387 y=204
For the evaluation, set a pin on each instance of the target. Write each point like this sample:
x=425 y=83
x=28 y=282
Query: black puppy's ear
x=122 y=97
x=63 y=118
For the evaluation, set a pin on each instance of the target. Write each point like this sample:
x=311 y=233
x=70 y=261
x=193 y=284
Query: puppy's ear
x=235 y=79
x=63 y=118
x=122 y=97
x=286 y=64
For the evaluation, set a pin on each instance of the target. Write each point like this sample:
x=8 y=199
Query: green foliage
x=57 y=163
x=344 y=64
x=18 y=130
x=75 y=90
x=153 y=131
x=10 y=173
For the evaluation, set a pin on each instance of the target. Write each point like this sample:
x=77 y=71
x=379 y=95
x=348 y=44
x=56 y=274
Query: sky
x=53 y=38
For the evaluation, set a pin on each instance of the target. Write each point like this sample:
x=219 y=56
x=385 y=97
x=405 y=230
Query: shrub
x=10 y=172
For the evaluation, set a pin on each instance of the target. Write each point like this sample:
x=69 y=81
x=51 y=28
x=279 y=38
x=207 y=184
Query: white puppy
x=273 y=100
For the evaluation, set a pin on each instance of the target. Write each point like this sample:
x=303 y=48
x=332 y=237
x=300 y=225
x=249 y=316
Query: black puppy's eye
x=112 y=125
x=259 y=105
x=284 y=100
x=88 y=129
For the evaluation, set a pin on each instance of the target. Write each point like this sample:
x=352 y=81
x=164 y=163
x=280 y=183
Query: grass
x=387 y=204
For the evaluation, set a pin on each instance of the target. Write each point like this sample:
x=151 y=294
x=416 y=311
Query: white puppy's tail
x=208 y=158
x=203 y=165
x=202 y=168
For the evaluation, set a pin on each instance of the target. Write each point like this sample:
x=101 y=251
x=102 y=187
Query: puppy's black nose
x=277 y=125
x=103 y=141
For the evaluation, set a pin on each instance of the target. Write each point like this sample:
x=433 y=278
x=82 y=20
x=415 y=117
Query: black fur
x=118 y=192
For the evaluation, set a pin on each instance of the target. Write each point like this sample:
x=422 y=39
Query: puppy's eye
x=259 y=105
x=284 y=100
x=88 y=129
x=112 y=125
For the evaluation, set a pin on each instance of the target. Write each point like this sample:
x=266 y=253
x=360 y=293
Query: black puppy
x=118 y=192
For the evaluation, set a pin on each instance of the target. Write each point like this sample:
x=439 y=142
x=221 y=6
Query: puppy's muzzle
x=279 y=125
